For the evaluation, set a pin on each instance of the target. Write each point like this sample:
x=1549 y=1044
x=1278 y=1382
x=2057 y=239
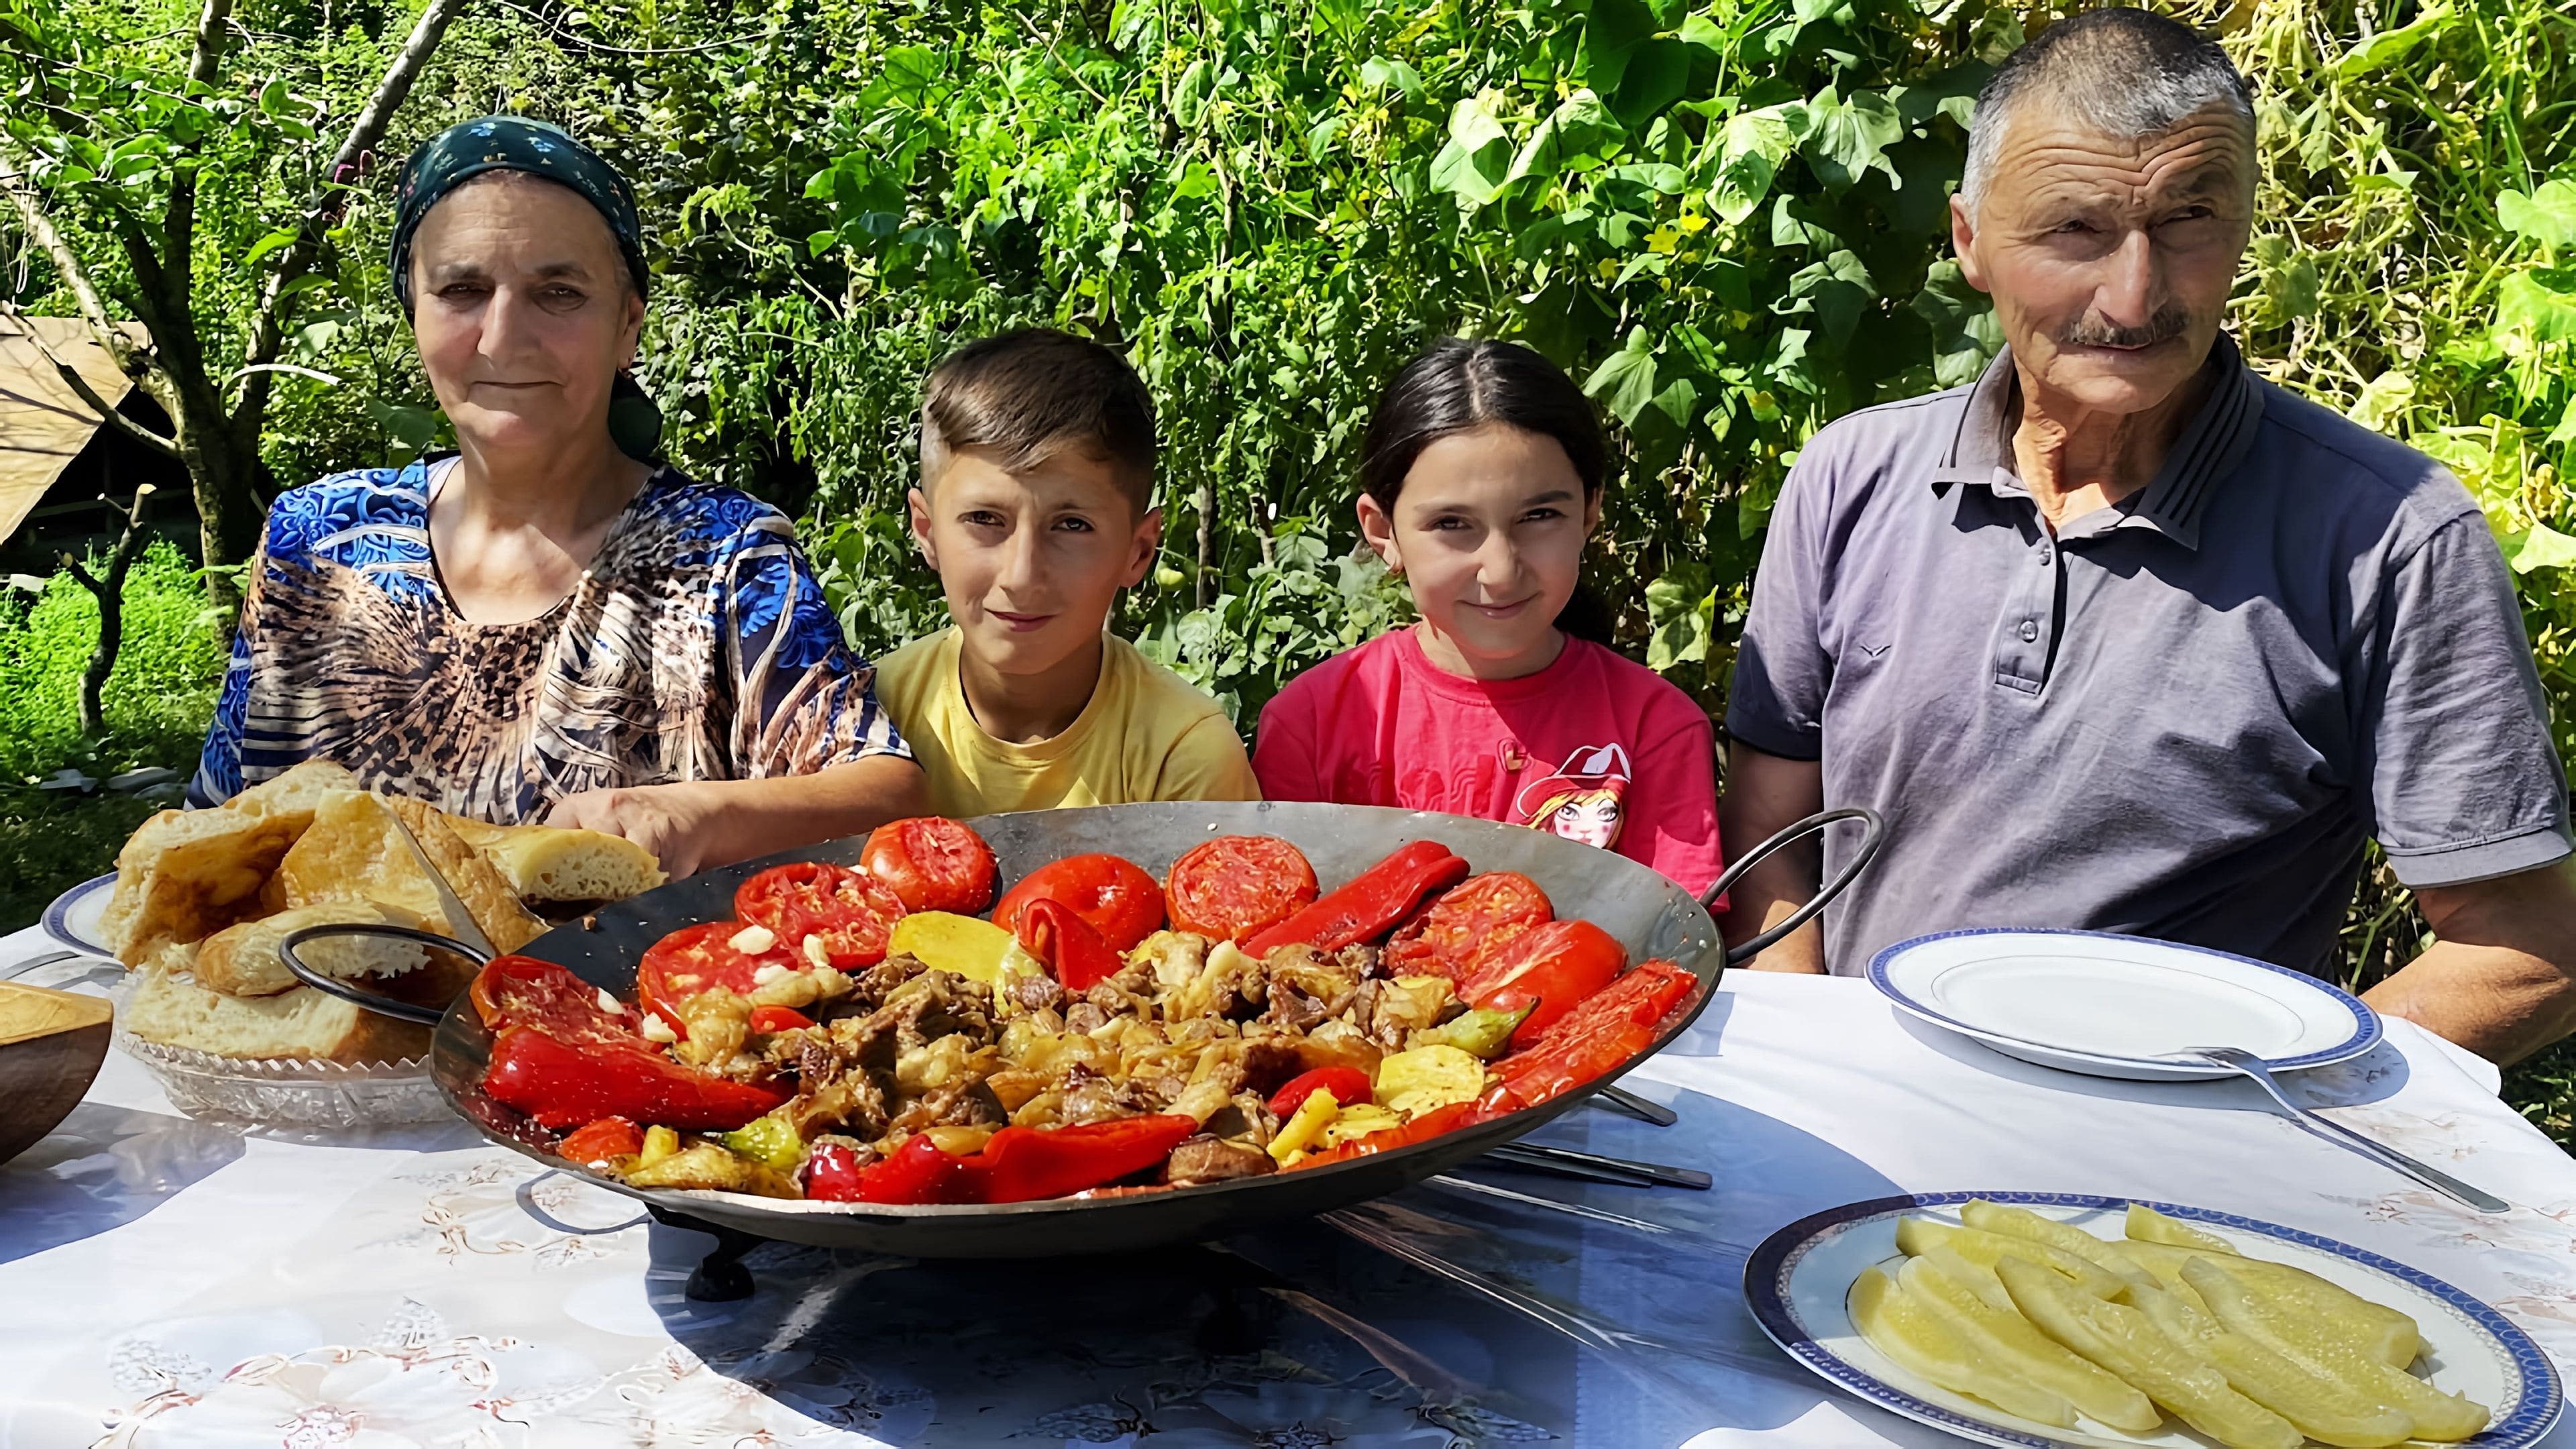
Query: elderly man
x=2122 y=637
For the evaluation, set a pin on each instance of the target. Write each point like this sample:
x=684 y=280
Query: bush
x=157 y=704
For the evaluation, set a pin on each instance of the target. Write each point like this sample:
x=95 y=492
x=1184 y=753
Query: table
x=170 y=1282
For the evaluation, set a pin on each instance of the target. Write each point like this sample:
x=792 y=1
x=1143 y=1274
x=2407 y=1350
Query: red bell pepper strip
x=832 y=1173
x=1344 y=1084
x=1057 y=934
x=1601 y=1033
x=609 y=1137
x=1017 y=1164
x=565 y=1084
x=1026 y=1164
x=770 y=1020
x=1497 y=1101
x=1374 y=902
x=1554 y=965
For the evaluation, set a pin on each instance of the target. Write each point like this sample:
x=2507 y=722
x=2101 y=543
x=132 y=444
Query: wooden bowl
x=51 y=1044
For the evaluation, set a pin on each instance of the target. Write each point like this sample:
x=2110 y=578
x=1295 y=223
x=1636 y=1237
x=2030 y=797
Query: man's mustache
x=2170 y=322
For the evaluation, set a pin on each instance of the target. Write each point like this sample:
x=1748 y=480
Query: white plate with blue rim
x=2121 y=1006
x=1799 y=1280
x=74 y=917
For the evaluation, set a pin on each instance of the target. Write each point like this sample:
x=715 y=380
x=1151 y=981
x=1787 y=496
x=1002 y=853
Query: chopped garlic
x=656 y=1029
x=815 y=953
x=752 y=940
x=608 y=1003
x=767 y=974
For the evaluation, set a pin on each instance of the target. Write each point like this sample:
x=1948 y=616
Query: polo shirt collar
x=2209 y=447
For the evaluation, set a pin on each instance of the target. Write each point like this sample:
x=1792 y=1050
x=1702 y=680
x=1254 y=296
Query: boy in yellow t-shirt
x=1036 y=507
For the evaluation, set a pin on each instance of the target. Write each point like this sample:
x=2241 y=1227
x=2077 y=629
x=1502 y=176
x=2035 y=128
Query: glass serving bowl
x=286 y=1092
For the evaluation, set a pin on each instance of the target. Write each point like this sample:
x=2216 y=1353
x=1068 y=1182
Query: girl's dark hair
x=1461 y=384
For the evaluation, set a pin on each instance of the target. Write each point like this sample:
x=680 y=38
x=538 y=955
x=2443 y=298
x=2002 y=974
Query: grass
x=157 y=703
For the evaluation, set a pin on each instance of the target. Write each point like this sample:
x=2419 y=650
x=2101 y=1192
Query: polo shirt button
x=2029 y=632
x=2043 y=556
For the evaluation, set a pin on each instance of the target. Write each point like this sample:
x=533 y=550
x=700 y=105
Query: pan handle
x=294 y=942
x=1873 y=835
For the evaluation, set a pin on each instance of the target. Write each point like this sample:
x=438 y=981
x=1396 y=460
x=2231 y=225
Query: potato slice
x=2383 y=1333
x=1923 y=1343
x=2146 y=1225
x=2294 y=1331
x=2009 y=1344
x=2021 y=1222
x=1914 y=1236
x=946 y=941
x=1425 y=1078
x=2322 y=1407
x=705 y=1165
x=2121 y=1339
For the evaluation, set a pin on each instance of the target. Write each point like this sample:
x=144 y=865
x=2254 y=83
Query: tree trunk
x=110 y=593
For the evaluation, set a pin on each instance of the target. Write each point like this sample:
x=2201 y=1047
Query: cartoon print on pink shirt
x=1586 y=799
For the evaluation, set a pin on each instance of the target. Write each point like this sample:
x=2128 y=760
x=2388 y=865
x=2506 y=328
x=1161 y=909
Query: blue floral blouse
x=696 y=647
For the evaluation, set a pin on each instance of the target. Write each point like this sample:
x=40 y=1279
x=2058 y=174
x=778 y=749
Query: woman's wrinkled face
x=523 y=313
x=1488 y=533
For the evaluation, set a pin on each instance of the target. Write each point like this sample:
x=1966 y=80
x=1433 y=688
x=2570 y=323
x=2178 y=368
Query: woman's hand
x=672 y=821
x=694 y=826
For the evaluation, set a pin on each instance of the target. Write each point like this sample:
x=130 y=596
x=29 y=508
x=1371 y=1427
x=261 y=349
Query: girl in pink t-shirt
x=1480 y=480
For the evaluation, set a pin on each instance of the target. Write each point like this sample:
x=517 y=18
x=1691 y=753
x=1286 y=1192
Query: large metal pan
x=1649 y=914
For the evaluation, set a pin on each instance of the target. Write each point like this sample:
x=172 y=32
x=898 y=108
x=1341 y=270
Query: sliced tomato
x=701 y=958
x=1602 y=1032
x=1237 y=885
x=1468 y=924
x=524 y=991
x=932 y=863
x=601 y=1141
x=1556 y=966
x=1120 y=901
x=850 y=913
x=770 y=1020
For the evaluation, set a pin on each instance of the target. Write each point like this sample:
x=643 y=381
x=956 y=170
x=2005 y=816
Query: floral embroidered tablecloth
x=170 y=1282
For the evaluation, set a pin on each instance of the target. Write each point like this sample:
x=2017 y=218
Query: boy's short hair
x=1029 y=393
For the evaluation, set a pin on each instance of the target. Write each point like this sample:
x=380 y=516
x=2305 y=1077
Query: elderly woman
x=547 y=625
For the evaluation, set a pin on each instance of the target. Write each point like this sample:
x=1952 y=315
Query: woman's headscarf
x=512 y=143
x=468 y=149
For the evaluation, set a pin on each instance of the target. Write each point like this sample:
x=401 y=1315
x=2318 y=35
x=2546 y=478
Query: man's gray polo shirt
x=2178 y=717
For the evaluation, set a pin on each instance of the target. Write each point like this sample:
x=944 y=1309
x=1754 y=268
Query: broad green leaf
x=1614 y=28
x=2391 y=46
x=1626 y=382
x=1678 y=400
x=269 y=243
x=910 y=71
x=2382 y=405
x=1681 y=613
x=1701 y=33
x=1755 y=144
x=1472 y=165
x=1851 y=137
x=2541 y=302
x=1382 y=73
x=1576 y=131
x=1190 y=93
x=2541 y=547
x=1657 y=73
x=1839 y=287
x=2547 y=215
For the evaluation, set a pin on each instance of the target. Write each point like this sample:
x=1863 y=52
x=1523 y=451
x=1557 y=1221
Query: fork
x=2246 y=1064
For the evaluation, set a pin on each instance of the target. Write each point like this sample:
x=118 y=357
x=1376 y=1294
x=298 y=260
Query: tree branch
x=179 y=218
x=67 y=263
x=80 y=385
x=298 y=256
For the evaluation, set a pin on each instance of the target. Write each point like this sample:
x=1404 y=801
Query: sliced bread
x=550 y=863
x=302 y=1024
x=189 y=873
x=243 y=959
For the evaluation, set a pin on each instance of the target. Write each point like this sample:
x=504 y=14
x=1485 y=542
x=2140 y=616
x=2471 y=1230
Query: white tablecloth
x=169 y=1282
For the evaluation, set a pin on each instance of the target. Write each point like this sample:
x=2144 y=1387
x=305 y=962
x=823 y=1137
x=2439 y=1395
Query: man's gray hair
x=2126 y=73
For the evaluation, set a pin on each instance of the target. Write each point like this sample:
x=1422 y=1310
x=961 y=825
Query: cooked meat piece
x=1209 y=1159
x=1246 y=1118
x=850 y=1102
x=1035 y=991
x=1398 y=1008
x=1198 y=1029
x=970 y=1105
x=1116 y=999
x=1147 y=1095
x=1362 y=961
x=1096 y=1099
x=1292 y=1009
x=936 y=1004
x=870 y=988
x=1326 y=982
x=1085 y=1016
x=1337 y=1043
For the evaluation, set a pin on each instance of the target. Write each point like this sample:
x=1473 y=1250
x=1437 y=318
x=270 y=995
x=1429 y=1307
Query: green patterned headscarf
x=511 y=143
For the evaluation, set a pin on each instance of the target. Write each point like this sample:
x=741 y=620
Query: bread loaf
x=301 y=1024
x=549 y=863
x=243 y=959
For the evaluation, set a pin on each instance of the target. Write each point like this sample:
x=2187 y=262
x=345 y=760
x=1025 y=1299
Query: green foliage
x=158 y=702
